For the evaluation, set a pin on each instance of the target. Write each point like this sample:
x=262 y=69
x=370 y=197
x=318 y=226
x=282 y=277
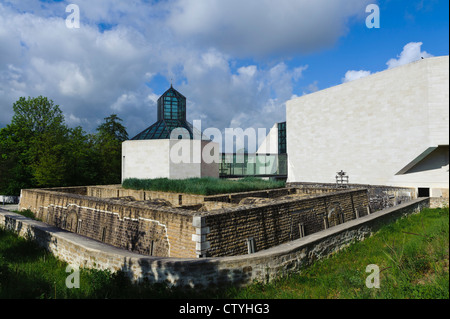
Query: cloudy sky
x=237 y=62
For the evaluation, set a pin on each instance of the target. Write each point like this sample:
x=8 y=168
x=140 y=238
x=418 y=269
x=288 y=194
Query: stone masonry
x=192 y=226
x=262 y=266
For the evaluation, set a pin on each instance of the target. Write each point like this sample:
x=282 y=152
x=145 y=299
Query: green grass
x=412 y=254
x=202 y=186
x=27 y=213
x=30 y=272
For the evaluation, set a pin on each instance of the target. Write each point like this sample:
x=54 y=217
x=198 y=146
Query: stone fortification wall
x=380 y=197
x=141 y=227
x=116 y=191
x=137 y=223
x=262 y=266
x=271 y=222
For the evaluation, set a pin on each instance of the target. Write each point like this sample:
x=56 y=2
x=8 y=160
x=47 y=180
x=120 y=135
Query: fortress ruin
x=194 y=226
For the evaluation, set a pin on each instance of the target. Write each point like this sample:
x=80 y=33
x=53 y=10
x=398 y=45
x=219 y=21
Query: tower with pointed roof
x=171 y=116
x=155 y=152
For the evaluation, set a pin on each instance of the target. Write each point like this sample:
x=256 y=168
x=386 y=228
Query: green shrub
x=27 y=213
x=202 y=186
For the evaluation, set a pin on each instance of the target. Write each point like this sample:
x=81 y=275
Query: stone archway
x=72 y=221
x=335 y=215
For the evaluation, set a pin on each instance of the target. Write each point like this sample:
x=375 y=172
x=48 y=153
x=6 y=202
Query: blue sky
x=237 y=62
x=402 y=22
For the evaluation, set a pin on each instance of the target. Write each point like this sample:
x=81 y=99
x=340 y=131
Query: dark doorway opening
x=424 y=192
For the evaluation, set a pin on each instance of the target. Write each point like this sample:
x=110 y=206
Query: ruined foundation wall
x=380 y=197
x=150 y=230
x=226 y=232
x=263 y=266
x=116 y=191
x=215 y=228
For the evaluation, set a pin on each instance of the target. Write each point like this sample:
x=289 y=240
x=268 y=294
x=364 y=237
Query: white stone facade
x=390 y=128
x=270 y=143
x=173 y=159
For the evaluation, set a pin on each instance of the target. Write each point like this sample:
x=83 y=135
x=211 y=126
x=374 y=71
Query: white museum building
x=389 y=128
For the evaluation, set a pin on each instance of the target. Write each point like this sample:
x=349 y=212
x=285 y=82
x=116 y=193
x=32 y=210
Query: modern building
x=173 y=148
x=269 y=161
x=170 y=148
x=390 y=128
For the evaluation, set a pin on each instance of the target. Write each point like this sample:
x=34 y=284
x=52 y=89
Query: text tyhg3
x=228 y=308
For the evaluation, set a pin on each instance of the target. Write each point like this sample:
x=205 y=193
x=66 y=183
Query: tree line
x=38 y=149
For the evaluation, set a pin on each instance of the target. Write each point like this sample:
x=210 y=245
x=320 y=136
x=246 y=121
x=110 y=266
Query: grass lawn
x=411 y=253
x=202 y=186
x=412 y=256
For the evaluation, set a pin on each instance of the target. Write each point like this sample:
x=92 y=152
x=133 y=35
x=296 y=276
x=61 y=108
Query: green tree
x=110 y=136
x=82 y=157
x=31 y=147
x=15 y=173
x=37 y=149
x=35 y=116
x=113 y=128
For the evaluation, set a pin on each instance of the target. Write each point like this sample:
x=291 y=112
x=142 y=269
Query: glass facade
x=263 y=165
x=172 y=106
x=171 y=120
x=282 y=149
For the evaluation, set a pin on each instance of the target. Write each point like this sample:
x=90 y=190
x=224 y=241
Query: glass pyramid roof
x=171 y=120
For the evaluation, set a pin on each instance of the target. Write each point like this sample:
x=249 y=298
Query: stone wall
x=141 y=227
x=262 y=266
x=439 y=202
x=380 y=196
x=147 y=223
x=116 y=191
x=227 y=231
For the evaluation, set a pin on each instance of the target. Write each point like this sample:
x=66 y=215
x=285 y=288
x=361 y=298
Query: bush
x=27 y=213
x=202 y=186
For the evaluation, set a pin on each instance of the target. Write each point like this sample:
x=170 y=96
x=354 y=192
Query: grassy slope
x=412 y=255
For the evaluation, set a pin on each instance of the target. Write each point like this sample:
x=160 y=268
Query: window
x=423 y=192
x=79 y=226
x=251 y=245
x=301 y=230
x=282 y=138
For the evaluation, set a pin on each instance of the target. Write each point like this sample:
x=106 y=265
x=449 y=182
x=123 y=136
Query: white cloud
x=298 y=72
x=311 y=88
x=411 y=52
x=355 y=75
x=260 y=27
x=94 y=71
x=85 y=71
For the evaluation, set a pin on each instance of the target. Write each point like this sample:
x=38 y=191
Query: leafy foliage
x=37 y=149
x=109 y=140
